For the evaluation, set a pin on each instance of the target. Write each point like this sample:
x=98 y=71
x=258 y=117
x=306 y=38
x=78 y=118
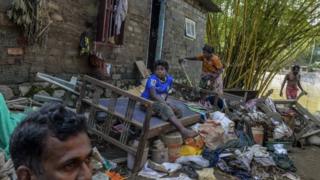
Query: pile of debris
x=251 y=140
x=244 y=140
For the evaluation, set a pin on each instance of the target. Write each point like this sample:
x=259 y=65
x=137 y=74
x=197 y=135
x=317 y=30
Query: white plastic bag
x=199 y=160
x=150 y=173
x=282 y=130
x=223 y=120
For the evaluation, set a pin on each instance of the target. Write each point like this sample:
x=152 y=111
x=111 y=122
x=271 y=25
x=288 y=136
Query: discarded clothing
x=225 y=122
x=8 y=122
x=282 y=130
x=284 y=162
x=206 y=174
x=213 y=134
x=191 y=172
x=121 y=13
x=213 y=155
x=241 y=174
x=199 y=160
x=257 y=153
x=270 y=104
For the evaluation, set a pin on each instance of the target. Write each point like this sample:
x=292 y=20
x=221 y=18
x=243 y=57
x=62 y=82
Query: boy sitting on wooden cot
x=157 y=90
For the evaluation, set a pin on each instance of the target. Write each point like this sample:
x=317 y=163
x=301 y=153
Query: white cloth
x=121 y=13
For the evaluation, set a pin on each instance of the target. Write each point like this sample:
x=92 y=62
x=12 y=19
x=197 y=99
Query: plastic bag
x=279 y=149
x=150 y=173
x=199 y=160
x=223 y=120
x=187 y=150
x=212 y=133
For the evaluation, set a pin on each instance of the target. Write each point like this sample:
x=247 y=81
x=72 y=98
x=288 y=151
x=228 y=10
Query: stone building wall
x=176 y=44
x=60 y=56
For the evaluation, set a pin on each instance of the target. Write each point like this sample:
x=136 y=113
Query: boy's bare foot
x=187 y=133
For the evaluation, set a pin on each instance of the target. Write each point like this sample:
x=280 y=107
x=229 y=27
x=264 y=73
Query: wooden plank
x=95 y=100
x=113 y=141
x=144 y=71
x=306 y=112
x=168 y=127
x=128 y=116
x=104 y=109
x=309 y=134
x=82 y=95
x=143 y=141
x=283 y=101
x=117 y=90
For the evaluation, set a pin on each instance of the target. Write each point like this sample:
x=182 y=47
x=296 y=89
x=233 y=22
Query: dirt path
x=307 y=162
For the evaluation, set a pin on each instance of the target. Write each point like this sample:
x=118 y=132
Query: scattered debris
x=6 y=91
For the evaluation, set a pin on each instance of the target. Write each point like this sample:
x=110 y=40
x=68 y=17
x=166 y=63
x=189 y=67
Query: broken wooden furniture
x=309 y=125
x=69 y=86
x=125 y=108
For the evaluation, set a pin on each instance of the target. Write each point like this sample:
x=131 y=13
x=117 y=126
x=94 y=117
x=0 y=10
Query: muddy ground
x=307 y=161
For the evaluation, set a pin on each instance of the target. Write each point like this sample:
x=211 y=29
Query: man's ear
x=24 y=173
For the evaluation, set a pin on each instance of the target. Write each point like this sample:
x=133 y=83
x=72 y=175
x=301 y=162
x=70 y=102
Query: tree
x=256 y=38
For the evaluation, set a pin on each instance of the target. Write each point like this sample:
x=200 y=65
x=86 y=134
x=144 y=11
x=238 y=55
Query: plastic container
x=131 y=157
x=159 y=153
x=174 y=142
x=257 y=133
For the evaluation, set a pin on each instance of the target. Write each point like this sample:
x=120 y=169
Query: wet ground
x=310 y=83
x=307 y=162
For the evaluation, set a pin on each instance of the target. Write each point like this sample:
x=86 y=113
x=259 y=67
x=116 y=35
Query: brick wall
x=60 y=56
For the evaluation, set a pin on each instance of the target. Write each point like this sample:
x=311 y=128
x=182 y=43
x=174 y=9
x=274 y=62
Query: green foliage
x=31 y=16
x=256 y=38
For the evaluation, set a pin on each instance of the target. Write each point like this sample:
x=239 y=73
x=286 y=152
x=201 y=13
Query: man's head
x=51 y=143
x=161 y=68
x=207 y=51
x=295 y=69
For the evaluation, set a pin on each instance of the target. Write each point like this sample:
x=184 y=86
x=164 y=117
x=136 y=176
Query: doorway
x=156 y=4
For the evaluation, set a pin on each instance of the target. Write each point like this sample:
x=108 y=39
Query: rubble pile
x=243 y=140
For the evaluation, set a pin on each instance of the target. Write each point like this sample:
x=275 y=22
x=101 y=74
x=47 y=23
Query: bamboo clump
x=257 y=38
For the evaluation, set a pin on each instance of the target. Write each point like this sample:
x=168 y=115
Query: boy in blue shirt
x=157 y=90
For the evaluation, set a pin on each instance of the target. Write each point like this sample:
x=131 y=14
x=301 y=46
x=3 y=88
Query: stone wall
x=176 y=44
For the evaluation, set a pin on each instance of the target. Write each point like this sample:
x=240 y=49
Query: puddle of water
x=310 y=82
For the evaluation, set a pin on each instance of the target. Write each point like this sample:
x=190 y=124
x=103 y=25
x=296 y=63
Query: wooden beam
x=143 y=141
x=117 y=90
x=168 y=127
x=118 y=115
x=115 y=142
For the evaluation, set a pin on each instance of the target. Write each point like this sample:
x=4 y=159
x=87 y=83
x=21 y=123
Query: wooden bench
x=125 y=108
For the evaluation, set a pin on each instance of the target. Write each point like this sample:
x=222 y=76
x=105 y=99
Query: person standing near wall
x=212 y=69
